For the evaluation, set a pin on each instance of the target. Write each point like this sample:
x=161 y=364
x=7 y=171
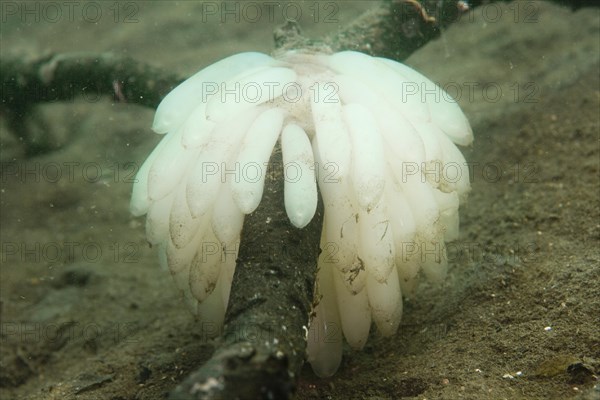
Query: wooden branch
x=66 y=77
x=262 y=350
x=62 y=77
x=393 y=29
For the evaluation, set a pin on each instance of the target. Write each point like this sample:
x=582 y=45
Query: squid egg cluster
x=382 y=152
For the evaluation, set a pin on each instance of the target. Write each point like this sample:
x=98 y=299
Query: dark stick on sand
x=65 y=77
x=262 y=347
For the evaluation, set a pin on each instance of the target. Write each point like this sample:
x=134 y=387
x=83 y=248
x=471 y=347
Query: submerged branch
x=62 y=77
x=65 y=77
x=393 y=29
x=397 y=28
x=262 y=349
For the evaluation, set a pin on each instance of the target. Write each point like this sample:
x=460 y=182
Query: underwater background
x=87 y=313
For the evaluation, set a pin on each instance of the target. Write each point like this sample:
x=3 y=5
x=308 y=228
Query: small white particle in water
x=508 y=376
x=268 y=220
x=207 y=386
x=548 y=328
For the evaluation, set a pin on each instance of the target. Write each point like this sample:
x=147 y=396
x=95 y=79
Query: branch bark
x=61 y=77
x=262 y=348
x=396 y=28
x=393 y=29
x=64 y=77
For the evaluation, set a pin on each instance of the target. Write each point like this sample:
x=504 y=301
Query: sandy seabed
x=86 y=312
